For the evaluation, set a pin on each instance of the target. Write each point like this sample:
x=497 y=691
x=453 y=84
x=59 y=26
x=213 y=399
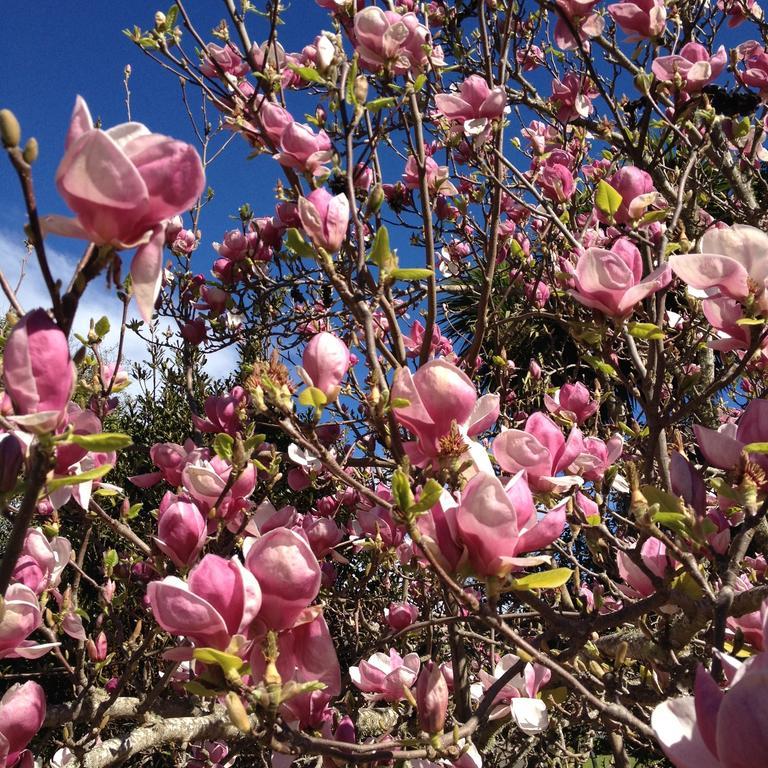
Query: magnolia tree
x=488 y=485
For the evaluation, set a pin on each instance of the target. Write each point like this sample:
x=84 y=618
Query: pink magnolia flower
x=170 y=458
x=637 y=192
x=518 y=697
x=38 y=373
x=723 y=447
x=228 y=58
x=274 y=120
x=640 y=19
x=541 y=451
x=431 y=698
x=306 y=654
x=206 y=482
x=304 y=150
x=755 y=74
x=181 y=531
x=22 y=713
x=41 y=561
x=324 y=218
x=718 y=728
x=738 y=11
x=21 y=617
x=325 y=363
x=401 y=615
x=222 y=413
x=572 y=401
x=691 y=69
x=573 y=97
x=440 y=533
x=473 y=106
x=440 y=395
x=387 y=39
x=498 y=525
x=556 y=182
x=612 y=281
x=732 y=261
x=288 y=574
x=587 y=24
x=11 y=460
x=218 y=602
x=437 y=177
x=386 y=675
x=752 y=625
x=123 y=185
x=595 y=457
x=654 y=557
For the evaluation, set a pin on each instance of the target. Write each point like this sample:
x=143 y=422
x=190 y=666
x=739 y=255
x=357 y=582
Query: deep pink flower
x=325 y=362
x=41 y=561
x=22 y=713
x=693 y=68
x=723 y=447
x=288 y=574
x=181 y=532
x=324 y=218
x=498 y=525
x=385 y=675
x=474 y=105
x=654 y=557
x=640 y=19
x=38 y=372
x=401 y=615
x=541 y=451
x=20 y=618
x=219 y=601
x=223 y=412
x=431 y=698
x=572 y=401
x=304 y=150
x=123 y=185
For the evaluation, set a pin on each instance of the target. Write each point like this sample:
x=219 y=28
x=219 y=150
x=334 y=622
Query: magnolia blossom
x=518 y=697
x=573 y=97
x=123 y=185
x=325 y=363
x=401 y=615
x=21 y=616
x=718 y=728
x=38 y=373
x=22 y=713
x=723 y=447
x=223 y=412
x=215 y=607
x=693 y=68
x=437 y=177
x=498 y=525
x=442 y=401
x=304 y=150
x=541 y=451
x=582 y=18
x=181 y=531
x=732 y=261
x=654 y=557
x=432 y=698
x=640 y=19
x=41 y=561
x=573 y=402
x=386 y=676
x=473 y=106
x=324 y=218
x=637 y=192
x=388 y=39
x=612 y=281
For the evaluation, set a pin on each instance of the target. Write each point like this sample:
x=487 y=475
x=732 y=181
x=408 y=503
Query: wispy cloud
x=21 y=269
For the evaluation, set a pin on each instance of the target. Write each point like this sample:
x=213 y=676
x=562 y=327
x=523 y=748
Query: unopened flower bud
x=11 y=457
x=31 y=151
x=360 y=89
x=159 y=19
x=10 y=130
x=375 y=199
x=237 y=712
x=432 y=698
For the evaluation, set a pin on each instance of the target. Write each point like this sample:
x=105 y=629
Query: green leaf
x=600 y=365
x=607 y=199
x=349 y=95
x=227 y=661
x=111 y=559
x=646 y=331
x=92 y=474
x=651 y=217
x=381 y=254
x=755 y=448
x=102 y=326
x=170 y=17
x=543 y=580
x=297 y=244
x=376 y=105
x=102 y=442
x=430 y=495
x=666 y=502
x=750 y=321
x=222 y=445
x=400 y=402
x=401 y=490
x=411 y=274
x=676 y=521
x=312 y=396
x=307 y=73
x=418 y=83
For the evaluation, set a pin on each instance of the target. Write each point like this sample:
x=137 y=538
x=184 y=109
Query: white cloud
x=21 y=268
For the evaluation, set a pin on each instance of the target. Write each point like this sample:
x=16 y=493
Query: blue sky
x=62 y=48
